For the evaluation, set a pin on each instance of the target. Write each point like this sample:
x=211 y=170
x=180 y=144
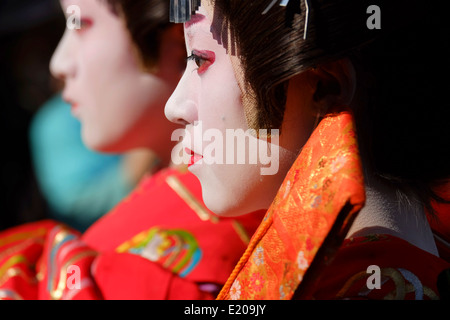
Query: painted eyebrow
x=196 y=18
x=192 y=26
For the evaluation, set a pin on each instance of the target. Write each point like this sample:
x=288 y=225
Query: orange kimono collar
x=308 y=219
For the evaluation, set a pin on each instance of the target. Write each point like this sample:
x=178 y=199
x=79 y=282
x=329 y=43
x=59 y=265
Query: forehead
x=84 y=4
x=199 y=26
x=206 y=26
x=66 y=3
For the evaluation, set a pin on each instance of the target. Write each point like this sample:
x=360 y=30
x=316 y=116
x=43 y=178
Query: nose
x=62 y=62
x=181 y=108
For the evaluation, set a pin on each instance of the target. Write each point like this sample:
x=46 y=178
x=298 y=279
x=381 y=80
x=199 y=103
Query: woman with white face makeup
x=358 y=154
x=104 y=81
x=160 y=242
x=117 y=96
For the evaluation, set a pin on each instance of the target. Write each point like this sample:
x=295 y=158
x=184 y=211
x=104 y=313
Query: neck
x=388 y=211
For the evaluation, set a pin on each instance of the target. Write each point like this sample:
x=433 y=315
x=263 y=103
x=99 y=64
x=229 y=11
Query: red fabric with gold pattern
x=159 y=243
x=402 y=275
x=20 y=250
x=165 y=220
x=64 y=270
x=35 y=259
x=308 y=219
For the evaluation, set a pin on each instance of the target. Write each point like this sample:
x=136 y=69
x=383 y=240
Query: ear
x=334 y=84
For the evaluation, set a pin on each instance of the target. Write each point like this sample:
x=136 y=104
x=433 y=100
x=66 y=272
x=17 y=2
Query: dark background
x=29 y=33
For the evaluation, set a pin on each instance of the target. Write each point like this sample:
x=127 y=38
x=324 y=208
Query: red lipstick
x=194 y=157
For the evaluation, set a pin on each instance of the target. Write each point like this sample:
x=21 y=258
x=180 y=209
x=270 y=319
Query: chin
x=227 y=197
x=224 y=204
x=220 y=208
x=100 y=143
x=90 y=143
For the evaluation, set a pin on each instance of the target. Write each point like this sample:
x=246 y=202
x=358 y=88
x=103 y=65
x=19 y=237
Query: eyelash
x=203 y=61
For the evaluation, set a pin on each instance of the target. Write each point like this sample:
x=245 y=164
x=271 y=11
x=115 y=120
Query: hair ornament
x=284 y=3
x=182 y=10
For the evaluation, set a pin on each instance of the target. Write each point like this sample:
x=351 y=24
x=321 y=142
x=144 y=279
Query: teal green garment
x=79 y=185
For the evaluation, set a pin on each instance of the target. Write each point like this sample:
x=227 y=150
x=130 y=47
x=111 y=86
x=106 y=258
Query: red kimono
x=406 y=272
x=441 y=227
x=159 y=243
x=299 y=251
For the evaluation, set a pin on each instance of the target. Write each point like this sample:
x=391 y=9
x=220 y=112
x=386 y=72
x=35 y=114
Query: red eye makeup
x=203 y=59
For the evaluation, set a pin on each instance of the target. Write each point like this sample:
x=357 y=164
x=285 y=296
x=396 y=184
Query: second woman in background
x=160 y=242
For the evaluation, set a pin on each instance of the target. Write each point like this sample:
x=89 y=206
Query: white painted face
x=208 y=101
x=120 y=106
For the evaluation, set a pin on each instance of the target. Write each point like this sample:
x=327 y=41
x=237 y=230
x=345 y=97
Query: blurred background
x=29 y=32
x=46 y=171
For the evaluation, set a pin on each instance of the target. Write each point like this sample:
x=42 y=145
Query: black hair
x=146 y=20
x=402 y=122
